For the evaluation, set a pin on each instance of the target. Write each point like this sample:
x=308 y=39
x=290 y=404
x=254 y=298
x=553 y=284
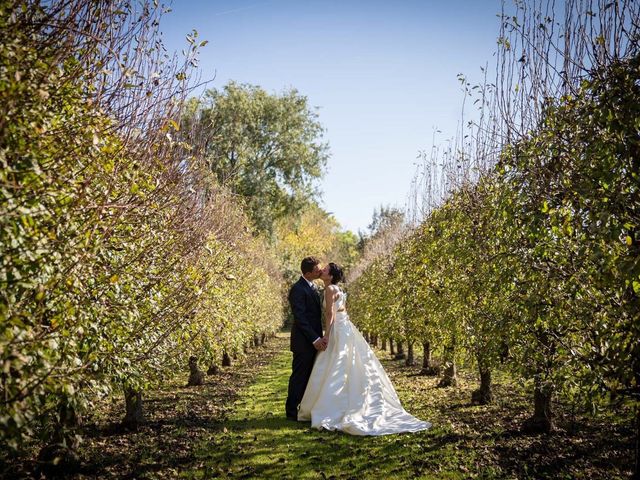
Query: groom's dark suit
x=307 y=327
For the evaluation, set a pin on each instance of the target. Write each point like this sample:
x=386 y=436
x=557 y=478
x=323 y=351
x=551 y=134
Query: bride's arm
x=329 y=298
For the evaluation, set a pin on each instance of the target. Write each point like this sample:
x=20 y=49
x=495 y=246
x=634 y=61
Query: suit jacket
x=307 y=316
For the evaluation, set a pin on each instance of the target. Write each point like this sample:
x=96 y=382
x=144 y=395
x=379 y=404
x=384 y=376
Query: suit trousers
x=301 y=368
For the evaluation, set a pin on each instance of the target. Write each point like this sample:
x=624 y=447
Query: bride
x=348 y=389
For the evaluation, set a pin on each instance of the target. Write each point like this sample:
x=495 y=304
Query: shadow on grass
x=234 y=427
x=177 y=419
x=592 y=451
x=582 y=446
x=260 y=444
x=273 y=447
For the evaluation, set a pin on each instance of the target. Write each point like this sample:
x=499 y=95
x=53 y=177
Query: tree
x=115 y=268
x=265 y=147
x=345 y=250
x=383 y=221
x=312 y=232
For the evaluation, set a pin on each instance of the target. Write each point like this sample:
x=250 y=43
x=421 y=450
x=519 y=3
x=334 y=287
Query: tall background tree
x=267 y=148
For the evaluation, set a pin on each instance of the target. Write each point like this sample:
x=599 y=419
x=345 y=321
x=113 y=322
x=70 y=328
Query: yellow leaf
x=545 y=207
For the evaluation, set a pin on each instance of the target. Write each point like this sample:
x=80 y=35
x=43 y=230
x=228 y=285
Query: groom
x=306 y=332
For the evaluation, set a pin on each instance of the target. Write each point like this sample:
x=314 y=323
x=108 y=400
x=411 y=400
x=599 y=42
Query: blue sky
x=383 y=74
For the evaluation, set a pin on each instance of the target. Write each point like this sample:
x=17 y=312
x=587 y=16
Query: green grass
x=258 y=442
x=233 y=426
x=466 y=440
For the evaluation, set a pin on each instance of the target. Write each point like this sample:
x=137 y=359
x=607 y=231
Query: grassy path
x=234 y=427
x=466 y=441
x=258 y=442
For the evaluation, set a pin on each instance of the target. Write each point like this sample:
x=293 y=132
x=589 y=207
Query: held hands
x=321 y=344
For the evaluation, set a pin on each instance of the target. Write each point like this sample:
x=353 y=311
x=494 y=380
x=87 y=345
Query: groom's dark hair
x=308 y=263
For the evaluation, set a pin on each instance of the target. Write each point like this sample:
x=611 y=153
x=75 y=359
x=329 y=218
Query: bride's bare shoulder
x=333 y=289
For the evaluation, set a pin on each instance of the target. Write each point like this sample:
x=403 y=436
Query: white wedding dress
x=349 y=390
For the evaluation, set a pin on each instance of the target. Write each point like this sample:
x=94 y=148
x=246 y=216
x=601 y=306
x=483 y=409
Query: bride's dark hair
x=335 y=271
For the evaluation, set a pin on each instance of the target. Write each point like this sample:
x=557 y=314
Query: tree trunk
x=68 y=420
x=541 y=421
x=263 y=338
x=226 y=359
x=392 y=350
x=504 y=352
x=375 y=341
x=426 y=358
x=60 y=455
x=410 y=361
x=450 y=376
x=484 y=394
x=636 y=474
x=133 y=409
x=400 y=354
x=384 y=344
x=428 y=368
